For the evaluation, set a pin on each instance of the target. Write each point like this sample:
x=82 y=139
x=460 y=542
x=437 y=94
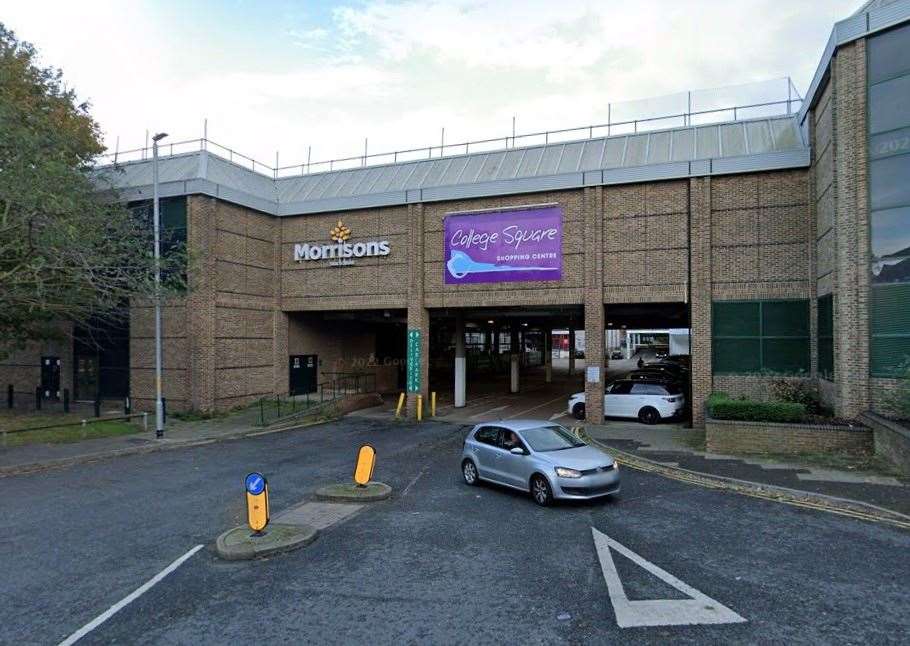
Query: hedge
x=720 y=406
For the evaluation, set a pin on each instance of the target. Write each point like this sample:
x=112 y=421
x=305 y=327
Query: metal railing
x=673 y=118
x=280 y=407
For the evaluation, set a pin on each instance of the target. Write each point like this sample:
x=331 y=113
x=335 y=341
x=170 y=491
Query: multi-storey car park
x=780 y=241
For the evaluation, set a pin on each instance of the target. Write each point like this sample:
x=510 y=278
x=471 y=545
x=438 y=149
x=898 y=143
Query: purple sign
x=504 y=246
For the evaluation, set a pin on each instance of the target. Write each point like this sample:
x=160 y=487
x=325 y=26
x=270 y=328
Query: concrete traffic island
x=350 y=492
x=240 y=544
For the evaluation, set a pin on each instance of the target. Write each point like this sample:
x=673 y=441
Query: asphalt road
x=440 y=562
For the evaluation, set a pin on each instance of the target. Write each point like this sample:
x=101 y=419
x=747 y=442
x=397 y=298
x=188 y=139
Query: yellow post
x=400 y=405
x=419 y=408
x=366 y=461
x=433 y=404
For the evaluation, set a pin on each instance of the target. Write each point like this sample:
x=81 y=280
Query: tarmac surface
x=439 y=562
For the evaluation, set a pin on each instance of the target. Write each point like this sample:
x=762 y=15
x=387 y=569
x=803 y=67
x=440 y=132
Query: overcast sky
x=278 y=75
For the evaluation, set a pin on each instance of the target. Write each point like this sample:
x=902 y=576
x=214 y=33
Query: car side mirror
x=517 y=450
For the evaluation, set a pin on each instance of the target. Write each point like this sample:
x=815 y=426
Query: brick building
x=782 y=242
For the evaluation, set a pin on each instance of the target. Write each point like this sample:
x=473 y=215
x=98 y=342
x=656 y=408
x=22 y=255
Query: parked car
x=538 y=456
x=616 y=354
x=682 y=359
x=647 y=400
x=662 y=372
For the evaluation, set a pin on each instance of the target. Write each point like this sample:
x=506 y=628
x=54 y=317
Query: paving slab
x=318 y=514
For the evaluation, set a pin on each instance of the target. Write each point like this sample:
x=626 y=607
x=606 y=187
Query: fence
x=37 y=401
x=272 y=409
x=83 y=423
x=696 y=107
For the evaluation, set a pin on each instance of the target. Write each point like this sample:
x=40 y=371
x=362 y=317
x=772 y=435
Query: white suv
x=649 y=401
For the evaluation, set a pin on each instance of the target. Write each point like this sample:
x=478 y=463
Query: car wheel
x=578 y=411
x=469 y=471
x=648 y=415
x=540 y=490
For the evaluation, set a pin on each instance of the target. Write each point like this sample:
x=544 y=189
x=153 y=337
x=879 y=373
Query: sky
x=279 y=76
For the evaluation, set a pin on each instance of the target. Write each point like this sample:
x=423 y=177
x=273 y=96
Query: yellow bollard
x=400 y=405
x=419 y=408
x=433 y=404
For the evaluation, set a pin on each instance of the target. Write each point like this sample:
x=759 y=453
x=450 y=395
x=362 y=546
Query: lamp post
x=159 y=404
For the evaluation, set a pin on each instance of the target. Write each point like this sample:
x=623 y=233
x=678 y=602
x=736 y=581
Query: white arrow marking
x=487 y=412
x=557 y=416
x=700 y=609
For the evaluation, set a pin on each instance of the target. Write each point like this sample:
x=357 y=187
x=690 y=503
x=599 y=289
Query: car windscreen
x=550 y=438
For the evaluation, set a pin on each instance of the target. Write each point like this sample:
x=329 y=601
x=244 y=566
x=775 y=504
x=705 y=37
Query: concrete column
x=701 y=296
x=460 y=364
x=548 y=354
x=594 y=305
x=418 y=315
x=571 y=349
x=514 y=358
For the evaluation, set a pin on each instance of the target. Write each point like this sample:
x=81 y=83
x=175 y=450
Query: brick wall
x=725 y=436
x=22 y=368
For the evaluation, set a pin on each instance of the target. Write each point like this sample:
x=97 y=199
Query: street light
x=159 y=403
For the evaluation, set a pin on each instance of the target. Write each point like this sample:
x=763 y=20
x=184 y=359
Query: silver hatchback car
x=538 y=456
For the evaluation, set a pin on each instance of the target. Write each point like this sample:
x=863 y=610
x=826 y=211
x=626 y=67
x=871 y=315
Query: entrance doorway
x=50 y=377
x=302 y=373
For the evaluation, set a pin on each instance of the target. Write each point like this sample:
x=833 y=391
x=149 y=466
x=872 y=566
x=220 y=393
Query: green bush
x=720 y=406
x=797 y=392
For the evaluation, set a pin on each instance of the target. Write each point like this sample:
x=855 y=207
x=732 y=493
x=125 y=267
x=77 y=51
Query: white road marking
x=528 y=410
x=413 y=482
x=556 y=416
x=699 y=609
x=487 y=412
x=117 y=607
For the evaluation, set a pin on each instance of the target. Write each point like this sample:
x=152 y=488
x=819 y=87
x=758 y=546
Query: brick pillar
x=851 y=315
x=200 y=302
x=594 y=304
x=700 y=295
x=418 y=315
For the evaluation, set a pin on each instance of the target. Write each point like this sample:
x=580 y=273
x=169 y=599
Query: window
x=889 y=317
x=760 y=337
x=648 y=389
x=172 y=216
x=826 y=337
x=621 y=388
x=889 y=202
x=487 y=435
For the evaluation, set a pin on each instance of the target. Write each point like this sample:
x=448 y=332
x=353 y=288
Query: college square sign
x=341 y=252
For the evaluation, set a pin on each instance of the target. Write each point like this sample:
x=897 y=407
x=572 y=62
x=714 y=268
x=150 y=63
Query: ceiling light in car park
x=490 y=322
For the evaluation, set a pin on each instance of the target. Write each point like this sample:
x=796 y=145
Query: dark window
x=826 y=337
x=509 y=440
x=760 y=337
x=648 y=389
x=889 y=315
x=487 y=435
x=889 y=54
x=621 y=388
x=889 y=201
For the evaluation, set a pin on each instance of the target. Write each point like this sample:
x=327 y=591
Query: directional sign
x=366 y=461
x=257 y=501
x=413 y=376
x=697 y=609
x=255 y=483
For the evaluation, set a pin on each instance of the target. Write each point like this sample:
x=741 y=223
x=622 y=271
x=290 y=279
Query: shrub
x=720 y=406
x=797 y=392
x=899 y=399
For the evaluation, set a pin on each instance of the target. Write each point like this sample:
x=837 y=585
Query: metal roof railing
x=674 y=119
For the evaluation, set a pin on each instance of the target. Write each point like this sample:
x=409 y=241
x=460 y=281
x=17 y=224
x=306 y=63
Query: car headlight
x=563 y=472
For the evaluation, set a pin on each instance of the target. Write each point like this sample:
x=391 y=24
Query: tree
x=69 y=250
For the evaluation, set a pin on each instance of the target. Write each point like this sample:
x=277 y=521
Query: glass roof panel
x=706 y=144
x=490 y=167
x=733 y=139
x=683 y=145
x=472 y=170
x=590 y=158
x=529 y=163
x=613 y=154
x=509 y=165
x=435 y=175
x=570 y=158
x=784 y=135
x=453 y=171
x=759 y=136
x=635 y=150
x=550 y=161
x=659 y=148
